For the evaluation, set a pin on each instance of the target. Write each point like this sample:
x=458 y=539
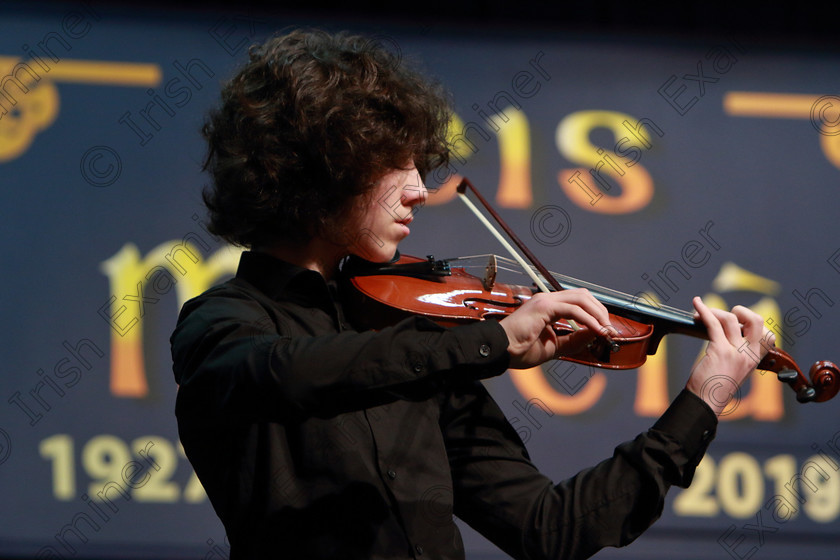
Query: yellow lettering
x=514 y=136
x=532 y=383
x=652 y=380
x=764 y=400
x=515 y=159
x=595 y=189
x=446 y=177
x=129 y=274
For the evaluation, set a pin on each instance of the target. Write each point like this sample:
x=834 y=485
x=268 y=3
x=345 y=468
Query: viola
x=379 y=295
x=382 y=295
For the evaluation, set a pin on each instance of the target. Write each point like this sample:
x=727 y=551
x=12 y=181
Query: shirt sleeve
x=500 y=493
x=232 y=351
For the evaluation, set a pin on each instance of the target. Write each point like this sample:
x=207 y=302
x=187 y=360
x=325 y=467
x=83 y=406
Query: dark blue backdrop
x=728 y=187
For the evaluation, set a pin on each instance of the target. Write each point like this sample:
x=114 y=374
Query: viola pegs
x=825 y=377
x=824 y=383
x=806 y=394
x=787 y=376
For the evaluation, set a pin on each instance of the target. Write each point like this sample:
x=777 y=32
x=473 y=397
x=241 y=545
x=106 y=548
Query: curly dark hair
x=307 y=126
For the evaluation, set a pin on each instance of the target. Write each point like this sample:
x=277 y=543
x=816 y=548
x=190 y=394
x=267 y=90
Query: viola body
x=460 y=298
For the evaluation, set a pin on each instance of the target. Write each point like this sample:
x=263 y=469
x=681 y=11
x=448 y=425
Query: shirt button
x=391 y=474
x=484 y=350
x=419 y=549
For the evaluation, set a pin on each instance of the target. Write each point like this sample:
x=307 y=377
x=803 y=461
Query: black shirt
x=314 y=440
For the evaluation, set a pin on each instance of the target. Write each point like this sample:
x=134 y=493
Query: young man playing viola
x=316 y=440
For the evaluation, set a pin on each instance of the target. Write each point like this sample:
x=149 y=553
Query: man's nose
x=414 y=193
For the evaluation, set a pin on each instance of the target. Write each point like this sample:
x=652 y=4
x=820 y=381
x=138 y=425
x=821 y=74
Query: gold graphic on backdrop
x=822 y=110
x=29 y=101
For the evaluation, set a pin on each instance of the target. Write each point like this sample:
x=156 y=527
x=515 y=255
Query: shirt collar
x=279 y=279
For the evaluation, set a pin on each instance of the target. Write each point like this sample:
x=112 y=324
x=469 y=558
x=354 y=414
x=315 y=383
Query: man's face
x=383 y=219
